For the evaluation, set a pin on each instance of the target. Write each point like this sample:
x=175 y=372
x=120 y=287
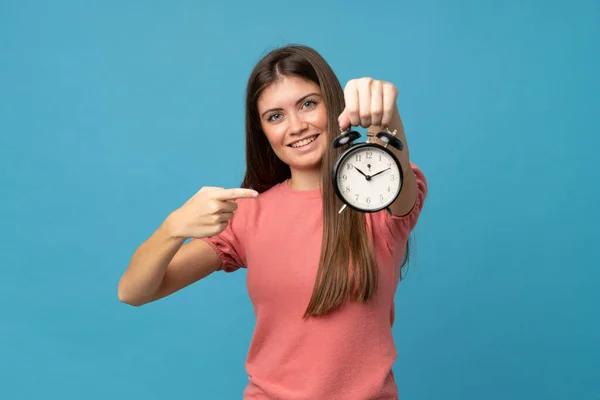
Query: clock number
x=368 y=200
x=356 y=197
x=381 y=198
x=347 y=188
x=389 y=189
x=369 y=154
x=358 y=157
x=344 y=177
x=348 y=167
x=392 y=177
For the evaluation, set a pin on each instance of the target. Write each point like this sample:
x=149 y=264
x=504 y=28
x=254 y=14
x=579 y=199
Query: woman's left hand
x=369 y=102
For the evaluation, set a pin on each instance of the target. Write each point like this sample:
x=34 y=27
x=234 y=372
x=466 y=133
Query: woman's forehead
x=286 y=91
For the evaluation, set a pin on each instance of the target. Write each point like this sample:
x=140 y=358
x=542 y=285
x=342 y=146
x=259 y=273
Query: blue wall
x=112 y=114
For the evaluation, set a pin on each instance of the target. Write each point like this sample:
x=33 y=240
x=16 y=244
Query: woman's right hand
x=207 y=213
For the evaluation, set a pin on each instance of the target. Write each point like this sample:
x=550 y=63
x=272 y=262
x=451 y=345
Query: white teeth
x=304 y=142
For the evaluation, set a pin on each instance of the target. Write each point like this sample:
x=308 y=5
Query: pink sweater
x=346 y=355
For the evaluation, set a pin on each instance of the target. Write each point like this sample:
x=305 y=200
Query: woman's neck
x=305 y=180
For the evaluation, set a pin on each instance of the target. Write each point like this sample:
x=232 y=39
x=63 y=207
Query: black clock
x=367 y=176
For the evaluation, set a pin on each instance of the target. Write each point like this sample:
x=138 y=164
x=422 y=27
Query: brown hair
x=345 y=241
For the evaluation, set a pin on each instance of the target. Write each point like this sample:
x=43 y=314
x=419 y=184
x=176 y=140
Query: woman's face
x=294 y=119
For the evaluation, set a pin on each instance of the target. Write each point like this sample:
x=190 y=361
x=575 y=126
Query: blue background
x=114 y=113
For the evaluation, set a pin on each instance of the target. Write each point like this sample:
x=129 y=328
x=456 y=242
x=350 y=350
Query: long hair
x=347 y=267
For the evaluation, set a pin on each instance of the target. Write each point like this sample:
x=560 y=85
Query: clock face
x=368 y=178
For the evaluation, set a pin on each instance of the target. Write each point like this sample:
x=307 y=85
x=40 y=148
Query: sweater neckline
x=307 y=194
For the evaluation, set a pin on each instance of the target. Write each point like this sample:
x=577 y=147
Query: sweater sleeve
x=229 y=244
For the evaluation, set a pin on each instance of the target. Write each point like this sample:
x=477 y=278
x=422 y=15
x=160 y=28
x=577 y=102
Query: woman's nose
x=297 y=124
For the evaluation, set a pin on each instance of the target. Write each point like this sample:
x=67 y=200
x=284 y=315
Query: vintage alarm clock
x=367 y=176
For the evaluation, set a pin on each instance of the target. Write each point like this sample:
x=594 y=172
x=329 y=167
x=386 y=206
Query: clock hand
x=363 y=174
x=380 y=172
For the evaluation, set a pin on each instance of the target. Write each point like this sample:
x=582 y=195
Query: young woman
x=322 y=283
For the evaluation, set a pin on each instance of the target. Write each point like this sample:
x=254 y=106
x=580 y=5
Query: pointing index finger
x=232 y=194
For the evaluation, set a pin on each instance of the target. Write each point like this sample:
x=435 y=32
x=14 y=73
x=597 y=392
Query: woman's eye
x=309 y=103
x=273 y=117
